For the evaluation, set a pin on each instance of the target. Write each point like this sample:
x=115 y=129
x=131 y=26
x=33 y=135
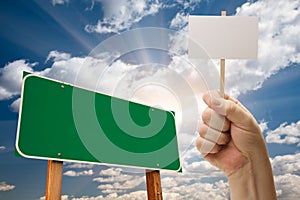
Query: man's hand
x=231 y=140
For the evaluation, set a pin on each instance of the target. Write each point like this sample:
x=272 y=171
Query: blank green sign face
x=61 y=122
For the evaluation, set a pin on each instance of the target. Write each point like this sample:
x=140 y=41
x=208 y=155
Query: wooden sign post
x=154 y=191
x=54 y=180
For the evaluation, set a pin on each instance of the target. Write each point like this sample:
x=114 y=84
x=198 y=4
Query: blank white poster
x=223 y=37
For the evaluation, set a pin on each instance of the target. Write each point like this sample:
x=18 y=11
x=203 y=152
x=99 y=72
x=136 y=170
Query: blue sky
x=54 y=38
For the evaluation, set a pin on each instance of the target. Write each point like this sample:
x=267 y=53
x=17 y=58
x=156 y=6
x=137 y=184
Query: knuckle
x=206 y=115
x=226 y=125
x=202 y=129
x=231 y=108
x=212 y=135
x=224 y=139
x=199 y=143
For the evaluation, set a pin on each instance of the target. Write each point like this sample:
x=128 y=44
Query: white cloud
x=179 y=21
x=287 y=186
x=64 y=197
x=5 y=187
x=286 y=170
x=11 y=78
x=110 y=172
x=200 y=190
x=81 y=173
x=122 y=14
x=100 y=197
x=205 y=167
x=278 y=44
x=285 y=134
x=58 y=56
x=115 y=181
x=191 y=4
x=60 y=2
x=179 y=40
x=2 y=148
x=286 y=164
x=263 y=126
x=136 y=195
x=15 y=106
x=69 y=165
x=64 y=70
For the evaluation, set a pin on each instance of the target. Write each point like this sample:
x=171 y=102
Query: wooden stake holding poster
x=222 y=68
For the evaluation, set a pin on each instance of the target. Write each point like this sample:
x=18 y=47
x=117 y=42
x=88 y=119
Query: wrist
x=242 y=183
x=254 y=180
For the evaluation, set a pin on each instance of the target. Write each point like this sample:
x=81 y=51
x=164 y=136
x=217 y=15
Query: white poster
x=223 y=37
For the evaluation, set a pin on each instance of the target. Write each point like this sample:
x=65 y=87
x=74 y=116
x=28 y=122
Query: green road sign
x=58 y=121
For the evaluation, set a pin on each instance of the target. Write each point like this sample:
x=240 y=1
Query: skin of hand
x=237 y=147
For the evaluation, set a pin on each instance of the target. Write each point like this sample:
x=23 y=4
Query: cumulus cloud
x=285 y=134
x=197 y=190
x=136 y=195
x=11 y=78
x=287 y=186
x=278 y=44
x=15 y=106
x=6 y=187
x=122 y=14
x=205 y=168
x=69 y=165
x=263 y=125
x=60 y=2
x=179 y=21
x=286 y=170
x=191 y=4
x=116 y=181
x=58 y=56
x=179 y=39
x=286 y=164
x=81 y=173
x=110 y=172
